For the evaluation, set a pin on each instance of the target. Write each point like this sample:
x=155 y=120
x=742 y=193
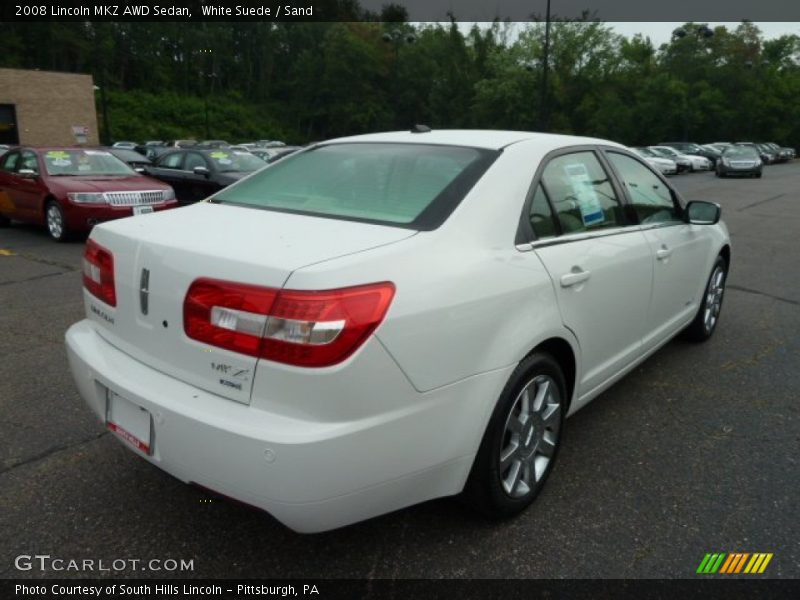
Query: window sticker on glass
x=97 y=153
x=58 y=158
x=218 y=155
x=588 y=202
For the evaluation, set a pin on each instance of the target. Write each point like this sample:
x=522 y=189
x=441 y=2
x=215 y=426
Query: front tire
x=56 y=222
x=521 y=441
x=705 y=322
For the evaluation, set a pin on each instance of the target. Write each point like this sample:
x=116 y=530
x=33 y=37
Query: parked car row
x=264 y=149
x=70 y=189
x=670 y=160
x=725 y=158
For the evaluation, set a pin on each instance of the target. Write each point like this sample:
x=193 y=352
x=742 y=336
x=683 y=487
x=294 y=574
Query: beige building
x=44 y=108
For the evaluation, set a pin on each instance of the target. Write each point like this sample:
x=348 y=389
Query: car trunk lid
x=158 y=256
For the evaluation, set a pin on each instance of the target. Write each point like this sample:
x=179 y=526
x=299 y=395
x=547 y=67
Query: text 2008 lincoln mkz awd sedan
x=380 y=320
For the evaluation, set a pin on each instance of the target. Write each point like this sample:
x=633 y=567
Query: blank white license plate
x=129 y=421
x=142 y=210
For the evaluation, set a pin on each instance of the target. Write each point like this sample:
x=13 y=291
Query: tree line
x=303 y=82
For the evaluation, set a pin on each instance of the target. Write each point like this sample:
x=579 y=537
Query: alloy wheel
x=55 y=221
x=531 y=436
x=714 y=293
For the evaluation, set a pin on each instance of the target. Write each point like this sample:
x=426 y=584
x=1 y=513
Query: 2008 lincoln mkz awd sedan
x=380 y=320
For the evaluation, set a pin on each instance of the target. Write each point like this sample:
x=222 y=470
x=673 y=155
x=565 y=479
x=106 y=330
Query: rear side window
x=414 y=185
x=581 y=193
x=541 y=216
x=171 y=161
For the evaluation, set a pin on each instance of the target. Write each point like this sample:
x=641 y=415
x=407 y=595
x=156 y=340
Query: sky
x=660 y=33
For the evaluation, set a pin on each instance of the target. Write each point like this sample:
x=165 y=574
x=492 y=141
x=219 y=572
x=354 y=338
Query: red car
x=71 y=189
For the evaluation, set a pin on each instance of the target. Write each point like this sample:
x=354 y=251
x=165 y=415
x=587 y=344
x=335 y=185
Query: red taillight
x=227 y=315
x=98 y=272
x=303 y=328
x=317 y=329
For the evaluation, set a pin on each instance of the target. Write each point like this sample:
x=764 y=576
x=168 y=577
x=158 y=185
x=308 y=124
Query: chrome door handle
x=575 y=277
x=663 y=253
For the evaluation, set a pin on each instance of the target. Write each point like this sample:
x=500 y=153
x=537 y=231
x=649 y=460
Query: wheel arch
x=566 y=356
x=725 y=252
x=43 y=208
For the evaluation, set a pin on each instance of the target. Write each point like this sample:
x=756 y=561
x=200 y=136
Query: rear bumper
x=311 y=473
x=83 y=217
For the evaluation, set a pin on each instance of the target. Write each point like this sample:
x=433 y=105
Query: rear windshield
x=409 y=185
x=84 y=162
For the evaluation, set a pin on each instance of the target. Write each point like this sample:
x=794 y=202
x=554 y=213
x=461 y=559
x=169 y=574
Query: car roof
x=129 y=152
x=202 y=150
x=50 y=148
x=475 y=138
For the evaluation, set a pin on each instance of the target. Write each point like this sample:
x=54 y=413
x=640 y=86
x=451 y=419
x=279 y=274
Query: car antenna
x=420 y=129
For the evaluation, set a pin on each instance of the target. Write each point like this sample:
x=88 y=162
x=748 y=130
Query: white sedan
x=664 y=165
x=380 y=320
x=698 y=163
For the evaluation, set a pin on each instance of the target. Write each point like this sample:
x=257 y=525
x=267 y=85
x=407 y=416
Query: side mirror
x=702 y=213
x=27 y=173
x=201 y=171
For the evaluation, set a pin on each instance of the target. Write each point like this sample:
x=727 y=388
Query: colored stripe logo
x=733 y=563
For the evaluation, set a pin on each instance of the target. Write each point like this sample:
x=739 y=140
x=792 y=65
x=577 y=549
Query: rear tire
x=521 y=441
x=56 y=222
x=707 y=317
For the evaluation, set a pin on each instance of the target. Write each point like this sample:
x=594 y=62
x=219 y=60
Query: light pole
x=700 y=32
x=755 y=123
x=545 y=71
x=107 y=139
x=208 y=75
x=397 y=38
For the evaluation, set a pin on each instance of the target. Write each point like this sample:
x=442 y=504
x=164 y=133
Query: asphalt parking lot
x=696 y=451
